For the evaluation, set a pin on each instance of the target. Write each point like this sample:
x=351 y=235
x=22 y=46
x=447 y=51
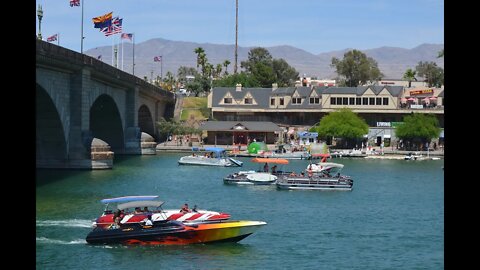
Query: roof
x=129 y=199
x=240 y=126
x=139 y=204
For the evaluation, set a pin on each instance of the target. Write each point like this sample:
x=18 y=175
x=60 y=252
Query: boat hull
x=176 y=233
x=316 y=183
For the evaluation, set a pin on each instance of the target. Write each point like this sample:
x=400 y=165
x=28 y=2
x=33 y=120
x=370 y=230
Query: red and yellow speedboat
x=170 y=232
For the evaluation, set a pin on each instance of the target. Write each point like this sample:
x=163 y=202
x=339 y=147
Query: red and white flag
x=52 y=38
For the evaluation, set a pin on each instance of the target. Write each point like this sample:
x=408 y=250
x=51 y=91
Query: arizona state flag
x=103 y=21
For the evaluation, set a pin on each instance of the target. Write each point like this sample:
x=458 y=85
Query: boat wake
x=79 y=223
x=61 y=242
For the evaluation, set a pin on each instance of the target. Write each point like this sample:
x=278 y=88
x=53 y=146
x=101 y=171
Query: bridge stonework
x=87 y=110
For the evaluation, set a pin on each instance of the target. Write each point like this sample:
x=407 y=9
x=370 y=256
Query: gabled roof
x=261 y=96
x=283 y=91
x=254 y=126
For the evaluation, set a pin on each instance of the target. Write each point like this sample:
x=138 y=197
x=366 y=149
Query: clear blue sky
x=315 y=26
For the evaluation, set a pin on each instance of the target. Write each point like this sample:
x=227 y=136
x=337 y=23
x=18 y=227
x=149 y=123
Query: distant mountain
x=392 y=61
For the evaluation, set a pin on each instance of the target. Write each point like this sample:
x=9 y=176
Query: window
x=358 y=101
x=272 y=102
x=385 y=101
x=379 y=101
x=314 y=100
x=227 y=100
x=345 y=101
x=248 y=101
x=333 y=101
x=296 y=101
x=365 y=101
x=351 y=101
x=339 y=101
x=371 y=101
x=281 y=101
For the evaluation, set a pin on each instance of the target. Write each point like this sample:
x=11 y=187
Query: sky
x=315 y=26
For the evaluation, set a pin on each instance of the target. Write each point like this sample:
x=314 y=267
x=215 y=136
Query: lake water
x=392 y=219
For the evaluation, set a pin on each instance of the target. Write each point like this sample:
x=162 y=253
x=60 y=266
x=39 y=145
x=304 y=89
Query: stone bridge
x=87 y=111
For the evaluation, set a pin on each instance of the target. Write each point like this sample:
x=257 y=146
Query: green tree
x=409 y=75
x=225 y=64
x=357 y=68
x=199 y=51
x=432 y=73
x=231 y=80
x=417 y=129
x=285 y=75
x=344 y=124
x=256 y=55
x=184 y=71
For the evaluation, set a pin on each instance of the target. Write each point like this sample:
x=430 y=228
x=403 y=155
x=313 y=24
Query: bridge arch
x=106 y=123
x=51 y=143
x=145 y=120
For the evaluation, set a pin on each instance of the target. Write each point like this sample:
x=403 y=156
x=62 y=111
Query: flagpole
x=122 y=48
x=58 y=39
x=81 y=39
x=112 y=51
x=133 y=66
x=161 y=67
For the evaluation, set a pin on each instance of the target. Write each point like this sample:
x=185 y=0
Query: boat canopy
x=129 y=199
x=139 y=204
x=214 y=149
x=270 y=160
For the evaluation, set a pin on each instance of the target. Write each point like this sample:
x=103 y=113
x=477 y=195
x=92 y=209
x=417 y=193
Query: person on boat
x=148 y=221
x=195 y=209
x=274 y=169
x=185 y=209
x=265 y=167
x=137 y=210
x=145 y=209
x=293 y=174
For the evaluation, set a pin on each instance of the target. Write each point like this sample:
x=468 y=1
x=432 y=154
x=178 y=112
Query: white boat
x=286 y=152
x=320 y=176
x=213 y=156
x=263 y=176
x=413 y=156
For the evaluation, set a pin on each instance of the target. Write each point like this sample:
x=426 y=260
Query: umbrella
x=433 y=98
x=411 y=99
x=426 y=100
x=403 y=100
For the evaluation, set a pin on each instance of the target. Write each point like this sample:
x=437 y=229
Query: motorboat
x=172 y=232
x=286 y=152
x=413 y=156
x=262 y=176
x=320 y=176
x=212 y=156
x=128 y=217
x=315 y=182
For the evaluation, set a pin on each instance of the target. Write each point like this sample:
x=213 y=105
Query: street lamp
x=40 y=16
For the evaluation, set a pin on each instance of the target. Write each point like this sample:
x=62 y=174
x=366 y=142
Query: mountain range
x=392 y=61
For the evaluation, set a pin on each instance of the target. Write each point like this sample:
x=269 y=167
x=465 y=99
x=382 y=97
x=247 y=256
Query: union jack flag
x=74 y=3
x=157 y=58
x=114 y=28
x=52 y=38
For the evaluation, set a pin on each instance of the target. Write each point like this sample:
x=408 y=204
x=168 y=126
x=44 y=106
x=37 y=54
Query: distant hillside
x=392 y=61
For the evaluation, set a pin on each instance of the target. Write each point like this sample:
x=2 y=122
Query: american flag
x=157 y=58
x=74 y=3
x=127 y=36
x=52 y=38
x=115 y=28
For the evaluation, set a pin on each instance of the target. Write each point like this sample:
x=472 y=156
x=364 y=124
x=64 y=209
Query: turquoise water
x=392 y=219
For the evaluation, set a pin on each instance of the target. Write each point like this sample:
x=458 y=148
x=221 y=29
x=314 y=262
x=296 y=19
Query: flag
x=157 y=58
x=114 y=28
x=99 y=57
x=127 y=36
x=103 y=21
x=52 y=38
x=74 y=3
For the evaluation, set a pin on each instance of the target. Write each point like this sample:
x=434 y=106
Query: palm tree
x=199 y=51
x=409 y=75
x=218 y=70
x=225 y=64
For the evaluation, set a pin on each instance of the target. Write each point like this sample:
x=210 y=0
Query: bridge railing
x=51 y=51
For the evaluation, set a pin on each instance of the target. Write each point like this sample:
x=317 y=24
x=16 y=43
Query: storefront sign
x=421 y=92
x=416 y=106
x=384 y=124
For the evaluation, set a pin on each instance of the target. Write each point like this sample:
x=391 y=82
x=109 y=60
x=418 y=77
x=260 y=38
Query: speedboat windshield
x=129 y=199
